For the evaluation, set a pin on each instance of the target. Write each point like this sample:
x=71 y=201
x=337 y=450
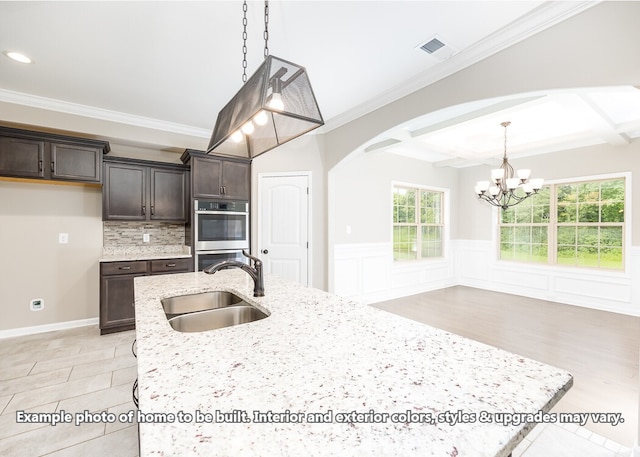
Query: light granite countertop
x=320 y=357
x=154 y=252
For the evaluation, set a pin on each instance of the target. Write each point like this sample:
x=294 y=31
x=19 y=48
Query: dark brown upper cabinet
x=35 y=155
x=218 y=177
x=136 y=190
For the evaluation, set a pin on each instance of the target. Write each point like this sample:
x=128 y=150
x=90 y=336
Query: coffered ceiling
x=174 y=65
x=541 y=123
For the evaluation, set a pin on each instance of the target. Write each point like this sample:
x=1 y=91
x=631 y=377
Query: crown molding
x=541 y=18
x=50 y=104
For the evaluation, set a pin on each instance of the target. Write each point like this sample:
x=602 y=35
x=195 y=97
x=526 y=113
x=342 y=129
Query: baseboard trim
x=47 y=328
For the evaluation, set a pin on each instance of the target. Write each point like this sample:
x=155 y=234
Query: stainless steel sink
x=182 y=304
x=216 y=318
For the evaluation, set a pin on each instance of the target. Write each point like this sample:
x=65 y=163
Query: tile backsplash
x=118 y=233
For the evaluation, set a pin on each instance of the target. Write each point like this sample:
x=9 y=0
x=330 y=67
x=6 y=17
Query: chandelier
x=274 y=106
x=502 y=190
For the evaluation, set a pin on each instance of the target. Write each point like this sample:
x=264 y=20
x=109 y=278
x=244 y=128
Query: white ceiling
x=176 y=64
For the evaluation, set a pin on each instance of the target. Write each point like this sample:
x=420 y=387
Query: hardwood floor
x=599 y=348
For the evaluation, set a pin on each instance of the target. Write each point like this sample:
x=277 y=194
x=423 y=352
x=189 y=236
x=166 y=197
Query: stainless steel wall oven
x=221 y=231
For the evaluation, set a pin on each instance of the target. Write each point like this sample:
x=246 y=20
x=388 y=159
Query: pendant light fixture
x=502 y=190
x=275 y=105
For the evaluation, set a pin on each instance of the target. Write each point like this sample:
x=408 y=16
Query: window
x=576 y=224
x=524 y=229
x=417 y=223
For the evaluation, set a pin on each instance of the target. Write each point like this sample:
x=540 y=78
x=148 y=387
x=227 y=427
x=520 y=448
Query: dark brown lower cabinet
x=117 y=310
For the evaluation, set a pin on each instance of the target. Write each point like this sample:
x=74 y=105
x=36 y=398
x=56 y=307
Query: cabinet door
x=22 y=157
x=75 y=163
x=124 y=192
x=235 y=180
x=117 y=302
x=206 y=174
x=168 y=195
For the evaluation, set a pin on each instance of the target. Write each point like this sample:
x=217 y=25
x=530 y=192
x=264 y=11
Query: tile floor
x=77 y=370
x=73 y=371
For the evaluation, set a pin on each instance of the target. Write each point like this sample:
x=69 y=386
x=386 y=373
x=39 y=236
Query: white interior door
x=284 y=226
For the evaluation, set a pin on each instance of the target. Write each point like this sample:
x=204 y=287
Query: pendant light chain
x=260 y=106
x=266 y=29
x=244 y=42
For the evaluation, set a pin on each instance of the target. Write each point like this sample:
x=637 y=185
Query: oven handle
x=219 y=251
x=241 y=213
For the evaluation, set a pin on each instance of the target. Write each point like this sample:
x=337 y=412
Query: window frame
x=444 y=224
x=553 y=224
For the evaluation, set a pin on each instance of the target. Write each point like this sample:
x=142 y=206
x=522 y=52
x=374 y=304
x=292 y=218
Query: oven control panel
x=217 y=205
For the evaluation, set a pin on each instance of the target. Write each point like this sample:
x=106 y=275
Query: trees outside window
x=417 y=223
x=575 y=224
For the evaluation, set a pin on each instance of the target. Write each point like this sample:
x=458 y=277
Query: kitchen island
x=325 y=376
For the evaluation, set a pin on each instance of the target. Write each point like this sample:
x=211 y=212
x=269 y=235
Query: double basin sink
x=209 y=311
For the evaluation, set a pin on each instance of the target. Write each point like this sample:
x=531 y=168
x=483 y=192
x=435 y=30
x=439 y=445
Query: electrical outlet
x=63 y=238
x=145 y=238
x=37 y=304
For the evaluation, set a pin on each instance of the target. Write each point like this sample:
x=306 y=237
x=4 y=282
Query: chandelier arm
x=489 y=200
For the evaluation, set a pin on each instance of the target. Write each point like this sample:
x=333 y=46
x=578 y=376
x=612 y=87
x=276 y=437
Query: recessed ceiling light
x=17 y=56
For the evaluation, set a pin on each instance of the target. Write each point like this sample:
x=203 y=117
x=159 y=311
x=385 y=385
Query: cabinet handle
x=153 y=210
x=170 y=265
x=40 y=165
x=53 y=167
x=124 y=268
x=144 y=210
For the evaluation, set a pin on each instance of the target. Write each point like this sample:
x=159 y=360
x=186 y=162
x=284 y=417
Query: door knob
x=265 y=251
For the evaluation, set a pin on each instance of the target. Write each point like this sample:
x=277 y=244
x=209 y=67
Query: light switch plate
x=63 y=238
x=145 y=238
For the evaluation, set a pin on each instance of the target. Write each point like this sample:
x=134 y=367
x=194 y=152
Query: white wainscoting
x=366 y=272
x=476 y=265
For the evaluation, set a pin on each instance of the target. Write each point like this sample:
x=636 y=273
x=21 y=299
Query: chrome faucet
x=255 y=272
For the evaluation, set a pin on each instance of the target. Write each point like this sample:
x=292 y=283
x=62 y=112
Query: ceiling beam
x=599 y=122
x=473 y=115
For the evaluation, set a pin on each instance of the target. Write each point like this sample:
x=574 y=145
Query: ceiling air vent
x=438 y=48
x=432 y=46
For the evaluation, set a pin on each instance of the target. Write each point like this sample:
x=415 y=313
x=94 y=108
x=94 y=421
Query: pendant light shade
x=274 y=106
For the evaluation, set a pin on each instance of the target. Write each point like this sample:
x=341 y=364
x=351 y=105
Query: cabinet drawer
x=169 y=265
x=123 y=268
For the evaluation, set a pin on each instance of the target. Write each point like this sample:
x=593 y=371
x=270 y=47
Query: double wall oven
x=221 y=231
